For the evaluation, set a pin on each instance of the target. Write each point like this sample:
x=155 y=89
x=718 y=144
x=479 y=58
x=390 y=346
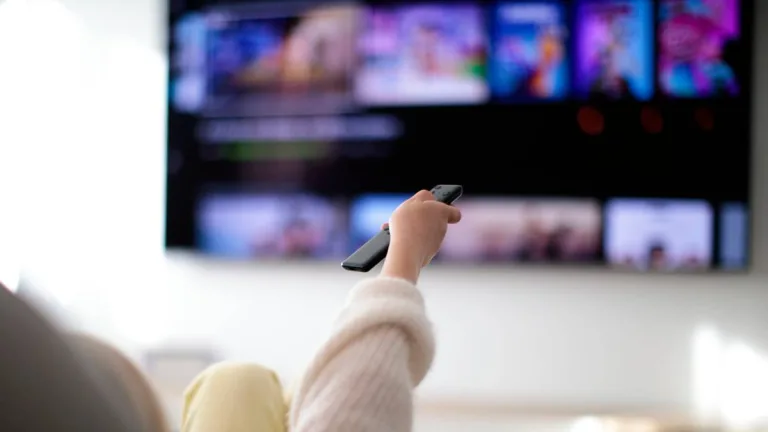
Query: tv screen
x=611 y=133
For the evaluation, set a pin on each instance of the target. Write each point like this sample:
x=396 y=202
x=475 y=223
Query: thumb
x=451 y=214
x=454 y=214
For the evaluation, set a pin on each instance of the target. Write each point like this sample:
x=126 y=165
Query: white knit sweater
x=362 y=379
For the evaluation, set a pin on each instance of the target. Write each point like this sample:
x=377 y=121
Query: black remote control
x=374 y=250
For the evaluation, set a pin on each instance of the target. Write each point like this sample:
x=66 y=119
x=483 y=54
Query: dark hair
x=656 y=247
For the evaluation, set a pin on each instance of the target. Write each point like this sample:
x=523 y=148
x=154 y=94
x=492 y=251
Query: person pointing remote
x=382 y=346
x=361 y=379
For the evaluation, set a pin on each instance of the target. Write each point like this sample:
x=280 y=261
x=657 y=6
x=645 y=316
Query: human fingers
x=451 y=214
x=423 y=195
x=384 y=226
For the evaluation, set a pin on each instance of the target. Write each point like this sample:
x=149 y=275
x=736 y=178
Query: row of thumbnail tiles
x=459 y=53
x=638 y=233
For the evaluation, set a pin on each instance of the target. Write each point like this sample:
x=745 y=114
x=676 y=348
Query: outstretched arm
x=363 y=377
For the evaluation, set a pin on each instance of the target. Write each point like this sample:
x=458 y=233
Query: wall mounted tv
x=610 y=133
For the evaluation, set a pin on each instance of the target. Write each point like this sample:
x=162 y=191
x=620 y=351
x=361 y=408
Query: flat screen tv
x=610 y=133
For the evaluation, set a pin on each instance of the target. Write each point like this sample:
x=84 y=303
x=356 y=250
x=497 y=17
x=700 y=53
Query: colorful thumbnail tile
x=699 y=44
x=734 y=236
x=423 y=55
x=280 y=58
x=614 y=49
x=529 y=52
x=187 y=85
x=659 y=235
x=270 y=226
x=512 y=230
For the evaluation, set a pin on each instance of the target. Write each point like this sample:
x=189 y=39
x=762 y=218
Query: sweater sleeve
x=362 y=378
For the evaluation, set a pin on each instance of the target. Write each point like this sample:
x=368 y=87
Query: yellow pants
x=232 y=397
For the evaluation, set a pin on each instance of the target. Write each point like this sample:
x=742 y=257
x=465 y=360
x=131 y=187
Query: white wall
x=81 y=168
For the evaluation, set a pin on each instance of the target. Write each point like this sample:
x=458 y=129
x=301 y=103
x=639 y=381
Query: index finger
x=423 y=195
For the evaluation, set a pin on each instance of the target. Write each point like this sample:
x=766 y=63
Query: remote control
x=374 y=250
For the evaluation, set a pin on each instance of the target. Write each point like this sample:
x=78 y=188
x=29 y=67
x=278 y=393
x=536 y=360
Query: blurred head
x=58 y=382
x=657 y=256
x=122 y=381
